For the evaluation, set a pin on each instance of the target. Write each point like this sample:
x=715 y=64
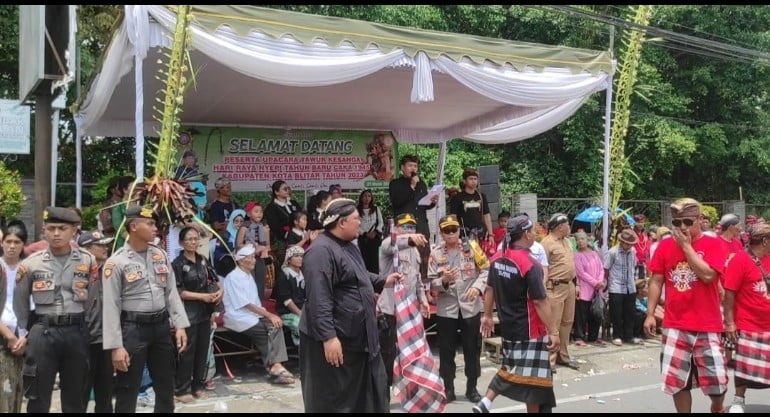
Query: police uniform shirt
x=138 y=282
x=408 y=266
x=58 y=285
x=473 y=268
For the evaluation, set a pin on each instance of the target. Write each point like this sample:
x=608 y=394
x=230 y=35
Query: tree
x=10 y=193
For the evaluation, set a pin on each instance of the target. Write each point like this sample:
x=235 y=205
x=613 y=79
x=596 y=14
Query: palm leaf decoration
x=169 y=197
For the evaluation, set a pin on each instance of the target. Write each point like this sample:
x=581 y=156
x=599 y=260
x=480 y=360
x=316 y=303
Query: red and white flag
x=416 y=380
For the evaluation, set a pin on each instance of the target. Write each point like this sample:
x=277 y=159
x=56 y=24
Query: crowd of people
x=101 y=319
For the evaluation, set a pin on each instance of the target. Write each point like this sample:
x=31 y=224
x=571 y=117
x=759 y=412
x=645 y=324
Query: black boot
x=471 y=393
x=450 y=393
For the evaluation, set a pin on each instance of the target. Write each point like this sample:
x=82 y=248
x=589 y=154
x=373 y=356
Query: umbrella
x=595 y=213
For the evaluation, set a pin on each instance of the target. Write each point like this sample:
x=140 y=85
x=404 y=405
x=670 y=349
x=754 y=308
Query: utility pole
x=43 y=143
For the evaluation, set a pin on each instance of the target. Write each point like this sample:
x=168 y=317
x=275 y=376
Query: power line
x=713 y=35
x=693 y=44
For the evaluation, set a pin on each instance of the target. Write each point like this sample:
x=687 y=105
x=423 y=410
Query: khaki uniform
x=140 y=296
x=561 y=291
x=456 y=312
x=58 y=339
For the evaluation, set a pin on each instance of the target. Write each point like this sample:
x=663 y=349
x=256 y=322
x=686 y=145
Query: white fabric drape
x=551 y=87
x=531 y=102
x=527 y=126
x=138 y=25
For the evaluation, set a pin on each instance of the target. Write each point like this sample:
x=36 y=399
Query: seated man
x=244 y=314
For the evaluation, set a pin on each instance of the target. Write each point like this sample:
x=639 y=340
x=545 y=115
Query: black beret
x=60 y=215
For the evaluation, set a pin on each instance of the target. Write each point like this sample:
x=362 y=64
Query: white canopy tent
x=269 y=68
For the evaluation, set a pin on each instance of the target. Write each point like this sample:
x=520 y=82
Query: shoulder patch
x=82 y=268
x=157 y=256
x=108 y=269
x=20 y=273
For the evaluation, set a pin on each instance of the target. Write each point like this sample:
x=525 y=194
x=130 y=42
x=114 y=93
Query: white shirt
x=537 y=250
x=369 y=219
x=240 y=291
x=8 y=317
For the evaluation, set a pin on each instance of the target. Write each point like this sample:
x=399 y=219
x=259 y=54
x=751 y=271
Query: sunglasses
x=450 y=230
x=408 y=227
x=687 y=222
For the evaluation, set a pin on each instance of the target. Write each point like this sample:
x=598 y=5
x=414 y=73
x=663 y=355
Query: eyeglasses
x=450 y=230
x=408 y=227
x=687 y=222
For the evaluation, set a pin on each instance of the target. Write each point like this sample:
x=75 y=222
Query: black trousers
x=386 y=327
x=370 y=251
x=52 y=350
x=471 y=342
x=622 y=308
x=100 y=378
x=586 y=325
x=193 y=363
x=639 y=317
x=149 y=343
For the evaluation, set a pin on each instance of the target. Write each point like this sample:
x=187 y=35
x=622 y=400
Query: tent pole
x=139 y=118
x=606 y=182
x=440 y=180
x=78 y=171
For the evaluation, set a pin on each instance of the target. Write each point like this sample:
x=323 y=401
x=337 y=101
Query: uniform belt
x=557 y=282
x=148 y=318
x=63 y=320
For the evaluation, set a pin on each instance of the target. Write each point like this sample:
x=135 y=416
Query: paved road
x=611 y=380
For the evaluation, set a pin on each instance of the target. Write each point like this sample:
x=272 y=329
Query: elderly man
x=747 y=313
x=730 y=225
x=619 y=268
x=246 y=315
x=458 y=273
x=340 y=362
x=690 y=266
x=560 y=284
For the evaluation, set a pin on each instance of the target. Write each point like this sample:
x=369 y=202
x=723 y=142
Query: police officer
x=458 y=272
x=139 y=298
x=100 y=370
x=58 y=280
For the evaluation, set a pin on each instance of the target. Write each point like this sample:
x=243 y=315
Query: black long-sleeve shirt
x=340 y=295
x=404 y=199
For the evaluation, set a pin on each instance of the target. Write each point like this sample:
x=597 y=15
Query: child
x=298 y=235
x=253 y=231
x=502 y=226
x=640 y=313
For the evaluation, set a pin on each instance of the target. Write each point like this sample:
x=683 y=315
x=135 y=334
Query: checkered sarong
x=416 y=380
x=682 y=349
x=526 y=362
x=751 y=357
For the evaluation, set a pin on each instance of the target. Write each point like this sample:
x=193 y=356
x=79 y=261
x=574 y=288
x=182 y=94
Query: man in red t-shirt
x=690 y=265
x=731 y=232
x=747 y=313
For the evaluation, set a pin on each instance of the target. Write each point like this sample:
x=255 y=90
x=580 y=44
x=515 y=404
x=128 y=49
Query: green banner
x=306 y=159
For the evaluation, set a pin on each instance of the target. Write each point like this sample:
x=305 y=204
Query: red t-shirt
x=499 y=234
x=752 y=302
x=734 y=245
x=690 y=304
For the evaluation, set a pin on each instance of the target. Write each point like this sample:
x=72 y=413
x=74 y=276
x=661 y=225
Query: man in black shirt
x=472 y=209
x=405 y=192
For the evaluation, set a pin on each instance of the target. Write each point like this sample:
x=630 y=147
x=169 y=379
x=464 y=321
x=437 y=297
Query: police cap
x=60 y=215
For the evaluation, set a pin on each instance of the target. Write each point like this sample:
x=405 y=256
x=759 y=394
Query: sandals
x=200 y=395
x=283 y=377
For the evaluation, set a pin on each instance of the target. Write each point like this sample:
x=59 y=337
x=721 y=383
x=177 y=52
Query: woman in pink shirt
x=590 y=279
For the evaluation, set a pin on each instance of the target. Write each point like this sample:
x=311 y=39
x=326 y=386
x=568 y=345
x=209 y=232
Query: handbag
x=597 y=306
x=210 y=288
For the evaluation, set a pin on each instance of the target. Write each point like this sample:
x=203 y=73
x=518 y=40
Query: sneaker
x=211 y=385
x=617 y=342
x=480 y=408
x=473 y=396
x=737 y=408
x=144 y=400
x=637 y=341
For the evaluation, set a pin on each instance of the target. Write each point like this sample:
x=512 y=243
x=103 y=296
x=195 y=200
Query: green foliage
x=90 y=214
x=711 y=213
x=10 y=193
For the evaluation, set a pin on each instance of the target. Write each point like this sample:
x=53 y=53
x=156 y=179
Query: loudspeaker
x=492 y=191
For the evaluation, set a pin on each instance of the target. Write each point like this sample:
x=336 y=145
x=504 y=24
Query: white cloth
x=538 y=252
x=240 y=291
x=173 y=248
x=8 y=317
